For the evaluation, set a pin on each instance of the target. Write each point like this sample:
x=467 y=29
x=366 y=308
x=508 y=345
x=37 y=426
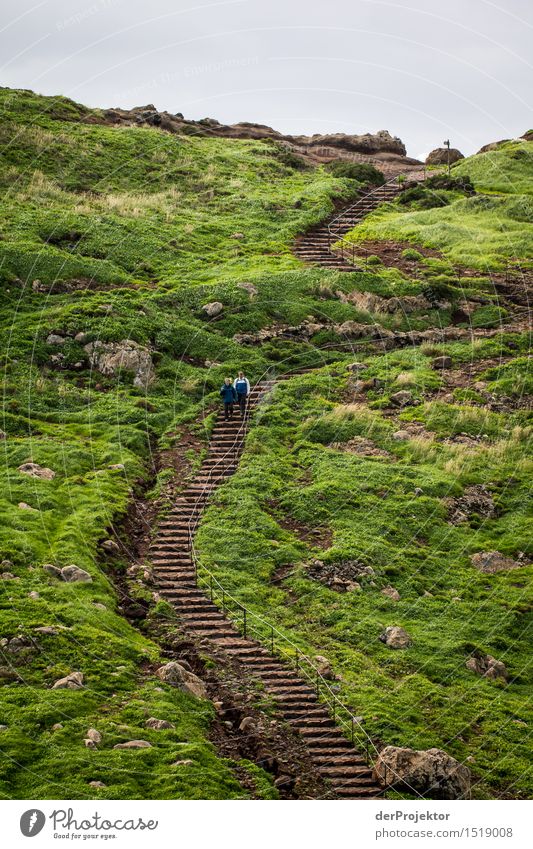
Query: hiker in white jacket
x=241 y=385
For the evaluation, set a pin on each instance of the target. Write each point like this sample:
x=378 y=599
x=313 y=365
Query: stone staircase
x=314 y=246
x=333 y=756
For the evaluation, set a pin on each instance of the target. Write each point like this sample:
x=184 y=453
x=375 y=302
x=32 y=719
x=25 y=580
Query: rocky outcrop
x=432 y=773
x=110 y=358
x=342 y=576
x=493 y=561
x=492 y=146
x=439 y=156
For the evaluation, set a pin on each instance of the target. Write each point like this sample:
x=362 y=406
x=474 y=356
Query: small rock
x=248 y=287
x=99 y=605
x=158 y=724
x=487 y=666
x=176 y=675
x=401 y=435
x=74 y=681
x=34 y=595
x=110 y=546
x=418 y=491
x=395 y=637
x=427 y=594
x=440 y=363
x=52 y=570
x=57 y=726
x=3 y=727
x=237 y=236
x=89 y=744
x=23 y=506
x=213 y=309
x=71 y=574
x=80 y=337
x=47 y=630
x=7 y=576
x=392 y=593
x=97 y=784
x=134 y=744
x=6 y=564
x=353 y=587
x=402 y=398
x=117 y=466
x=357 y=366
x=324 y=667
x=94 y=735
x=55 y=339
x=247 y=724
x=36 y=471
x=185 y=762
x=3 y=435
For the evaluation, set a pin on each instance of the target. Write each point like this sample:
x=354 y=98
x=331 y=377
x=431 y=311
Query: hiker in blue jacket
x=241 y=385
x=229 y=396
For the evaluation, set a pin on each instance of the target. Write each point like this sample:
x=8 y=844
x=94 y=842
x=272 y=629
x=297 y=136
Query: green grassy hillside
x=125 y=234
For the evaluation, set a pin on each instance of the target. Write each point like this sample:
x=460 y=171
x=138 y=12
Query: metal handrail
x=268 y=634
x=335 y=238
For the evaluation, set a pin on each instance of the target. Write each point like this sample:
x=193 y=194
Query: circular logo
x=32 y=822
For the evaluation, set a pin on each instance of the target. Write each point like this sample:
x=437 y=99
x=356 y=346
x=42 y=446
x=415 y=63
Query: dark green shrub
x=361 y=171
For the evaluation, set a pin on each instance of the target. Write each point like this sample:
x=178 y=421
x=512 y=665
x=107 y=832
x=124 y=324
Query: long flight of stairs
x=332 y=755
x=314 y=247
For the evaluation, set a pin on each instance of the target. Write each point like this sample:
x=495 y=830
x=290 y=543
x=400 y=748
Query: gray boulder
x=53 y=571
x=440 y=363
x=110 y=358
x=431 y=773
x=34 y=470
x=158 y=724
x=441 y=156
x=487 y=666
x=213 y=309
x=402 y=398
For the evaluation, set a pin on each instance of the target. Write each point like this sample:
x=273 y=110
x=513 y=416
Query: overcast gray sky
x=423 y=69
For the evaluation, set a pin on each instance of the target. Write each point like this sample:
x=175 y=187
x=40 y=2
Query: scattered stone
x=247 y=724
x=6 y=564
x=362 y=446
x=431 y=773
x=402 y=398
x=185 y=762
x=47 y=630
x=80 y=338
x=324 y=667
x=36 y=471
x=354 y=587
x=72 y=574
x=34 y=595
x=18 y=645
x=8 y=576
x=493 y=561
x=97 y=784
x=395 y=637
x=475 y=500
x=487 y=666
x=110 y=358
x=117 y=466
x=55 y=339
x=392 y=593
x=176 y=675
x=134 y=744
x=427 y=594
x=74 y=681
x=401 y=435
x=99 y=605
x=53 y=571
x=89 y=744
x=250 y=288
x=158 y=724
x=110 y=546
x=57 y=726
x=357 y=366
x=342 y=576
x=418 y=491
x=440 y=363
x=23 y=506
x=213 y=309
x=237 y=236
x=3 y=727
x=3 y=435
x=94 y=735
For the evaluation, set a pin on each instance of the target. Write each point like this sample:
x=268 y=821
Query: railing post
x=271 y=640
x=317 y=685
x=297 y=660
x=223 y=602
x=244 y=622
x=353 y=735
x=211 y=587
